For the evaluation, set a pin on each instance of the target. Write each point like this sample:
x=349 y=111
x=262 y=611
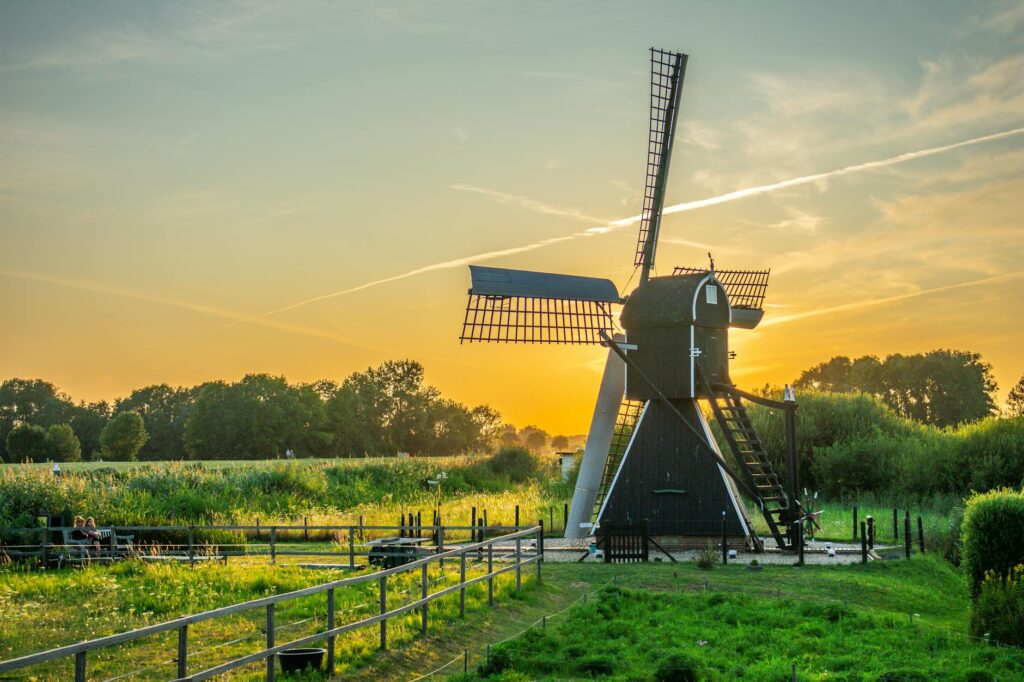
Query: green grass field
x=884 y=621
x=46 y=610
x=834 y=622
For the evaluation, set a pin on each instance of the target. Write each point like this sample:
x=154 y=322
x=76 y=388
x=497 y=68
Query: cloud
x=700 y=135
x=234 y=316
x=612 y=226
x=528 y=204
x=872 y=303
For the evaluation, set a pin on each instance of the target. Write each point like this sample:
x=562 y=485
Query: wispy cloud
x=875 y=302
x=202 y=309
x=626 y=222
x=529 y=204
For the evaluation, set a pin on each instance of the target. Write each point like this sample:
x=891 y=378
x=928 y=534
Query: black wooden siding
x=664 y=457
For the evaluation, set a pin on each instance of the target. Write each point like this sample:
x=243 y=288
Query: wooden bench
x=112 y=546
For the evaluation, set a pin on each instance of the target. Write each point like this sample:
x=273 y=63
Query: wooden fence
x=200 y=542
x=519 y=559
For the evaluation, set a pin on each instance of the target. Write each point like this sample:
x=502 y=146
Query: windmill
x=650 y=455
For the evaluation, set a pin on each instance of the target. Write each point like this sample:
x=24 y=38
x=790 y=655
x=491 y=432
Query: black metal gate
x=625 y=545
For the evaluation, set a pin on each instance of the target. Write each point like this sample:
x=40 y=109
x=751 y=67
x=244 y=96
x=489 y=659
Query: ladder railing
x=750 y=455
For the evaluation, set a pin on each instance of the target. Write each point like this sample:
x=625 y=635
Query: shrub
x=519 y=464
x=998 y=612
x=678 y=666
x=706 y=558
x=993 y=535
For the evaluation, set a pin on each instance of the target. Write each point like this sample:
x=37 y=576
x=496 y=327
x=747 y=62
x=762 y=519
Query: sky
x=198 y=191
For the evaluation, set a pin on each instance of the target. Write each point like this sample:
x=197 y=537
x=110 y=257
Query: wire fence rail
x=518 y=556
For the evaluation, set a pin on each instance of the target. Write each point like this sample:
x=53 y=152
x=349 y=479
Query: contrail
x=675 y=208
x=528 y=203
x=888 y=299
x=175 y=303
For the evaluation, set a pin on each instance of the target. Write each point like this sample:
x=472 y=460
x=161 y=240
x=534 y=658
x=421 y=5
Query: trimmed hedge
x=993 y=535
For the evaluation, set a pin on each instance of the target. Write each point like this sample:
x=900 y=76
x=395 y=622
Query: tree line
x=941 y=387
x=382 y=411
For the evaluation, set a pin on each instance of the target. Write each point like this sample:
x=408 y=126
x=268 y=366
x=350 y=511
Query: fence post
x=472 y=524
x=440 y=540
x=517 y=517
x=305 y=529
x=540 y=547
x=906 y=534
x=863 y=542
x=920 y=533
x=80 y=666
x=273 y=544
x=895 y=524
x=480 y=530
x=383 y=610
x=424 y=586
x=462 y=581
x=361 y=528
x=565 y=517
x=800 y=542
x=854 y=522
x=519 y=559
x=257 y=529
x=191 y=545
x=351 y=547
x=183 y=651
x=871 y=531
x=485 y=519
x=271 y=662
x=330 y=626
x=725 y=543
x=490 y=574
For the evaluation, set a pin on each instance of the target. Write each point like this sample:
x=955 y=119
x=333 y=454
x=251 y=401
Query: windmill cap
x=677 y=300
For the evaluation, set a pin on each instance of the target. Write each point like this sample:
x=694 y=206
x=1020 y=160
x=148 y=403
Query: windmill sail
x=667 y=71
x=519 y=306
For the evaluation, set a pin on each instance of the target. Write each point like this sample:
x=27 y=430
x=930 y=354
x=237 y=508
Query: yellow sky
x=192 y=192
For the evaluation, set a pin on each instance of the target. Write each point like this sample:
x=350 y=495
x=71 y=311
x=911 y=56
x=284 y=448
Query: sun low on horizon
x=200 y=191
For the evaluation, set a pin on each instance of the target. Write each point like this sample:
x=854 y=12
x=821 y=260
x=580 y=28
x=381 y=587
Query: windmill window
x=711 y=294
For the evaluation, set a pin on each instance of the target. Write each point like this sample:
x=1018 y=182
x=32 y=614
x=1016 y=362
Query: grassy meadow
x=45 y=610
x=887 y=621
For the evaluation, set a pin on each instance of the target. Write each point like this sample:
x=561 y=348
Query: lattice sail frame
x=746 y=288
x=625 y=425
x=524 y=319
x=667 y=71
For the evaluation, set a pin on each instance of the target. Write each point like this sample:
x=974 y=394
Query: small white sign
x=711 y=294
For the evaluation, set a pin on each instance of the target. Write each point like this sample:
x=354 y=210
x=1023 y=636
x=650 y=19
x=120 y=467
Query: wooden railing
x=181 y=625
x=187 y=541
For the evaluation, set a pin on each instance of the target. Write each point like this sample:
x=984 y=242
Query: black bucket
x=296 y=660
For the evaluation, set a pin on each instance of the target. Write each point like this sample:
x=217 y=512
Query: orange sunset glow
x=191 y=192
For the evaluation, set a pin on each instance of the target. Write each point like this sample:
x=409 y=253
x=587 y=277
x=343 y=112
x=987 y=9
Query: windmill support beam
x=602 y=428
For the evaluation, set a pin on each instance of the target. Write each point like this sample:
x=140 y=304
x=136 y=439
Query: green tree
x=534 y=437
x=559 y=443
x=164 y=411
x=1015 y=400
x=88 y=421
x=62 y=444
x=941 y=387
x=26 y=443
x=260 y=417
x=123 y=437
x=31 y=401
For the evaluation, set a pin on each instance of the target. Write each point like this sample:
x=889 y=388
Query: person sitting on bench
x=85 y=529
